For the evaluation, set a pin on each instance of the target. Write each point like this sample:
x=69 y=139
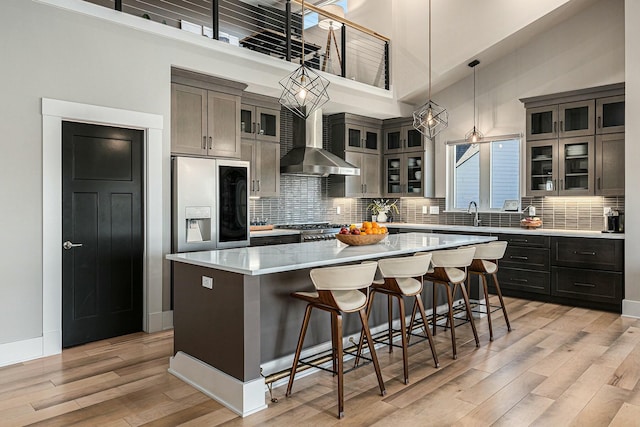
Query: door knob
x=68 y=245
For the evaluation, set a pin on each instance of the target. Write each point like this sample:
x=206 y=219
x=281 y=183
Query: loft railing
x=274 y=28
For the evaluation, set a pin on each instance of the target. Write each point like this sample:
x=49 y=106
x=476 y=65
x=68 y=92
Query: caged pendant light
x=474 y=135
x=304 y=90
x=430 y=119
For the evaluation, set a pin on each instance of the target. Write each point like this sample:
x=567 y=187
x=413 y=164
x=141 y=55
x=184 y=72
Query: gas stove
x=316 y=231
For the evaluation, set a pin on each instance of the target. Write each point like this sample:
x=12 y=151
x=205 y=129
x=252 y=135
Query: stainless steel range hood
x=307 y=156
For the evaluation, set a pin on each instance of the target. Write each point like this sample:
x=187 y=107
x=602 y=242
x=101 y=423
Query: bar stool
x=485 y=261
x=450 y=270
x=338 y=290
x=399 y=280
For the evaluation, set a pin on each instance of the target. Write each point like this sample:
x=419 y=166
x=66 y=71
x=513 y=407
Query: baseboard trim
x=167 y=320
x=631 y=308
x=243 y=398
x=21 y=351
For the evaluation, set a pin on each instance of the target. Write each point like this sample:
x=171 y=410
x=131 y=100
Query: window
x=311 y=18
x=487 y=173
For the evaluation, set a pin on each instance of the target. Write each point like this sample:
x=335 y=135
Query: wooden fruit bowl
x=530 y=224
x=360 y=239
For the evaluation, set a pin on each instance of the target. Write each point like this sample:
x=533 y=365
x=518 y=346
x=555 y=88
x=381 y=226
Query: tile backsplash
x=304 y=199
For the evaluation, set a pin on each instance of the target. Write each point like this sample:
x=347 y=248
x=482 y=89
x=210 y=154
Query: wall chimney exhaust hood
x=307 y=156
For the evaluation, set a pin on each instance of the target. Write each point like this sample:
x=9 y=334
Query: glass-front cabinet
x=562 y=167
x=361 y=138
x=561 y=120
x=260 y=123
x=402 y=138
x=403 y=175
x=610 y=115
x=542 y=168
x=576 y=166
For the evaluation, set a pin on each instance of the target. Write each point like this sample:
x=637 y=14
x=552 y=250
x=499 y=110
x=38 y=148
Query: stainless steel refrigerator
x=210 y=204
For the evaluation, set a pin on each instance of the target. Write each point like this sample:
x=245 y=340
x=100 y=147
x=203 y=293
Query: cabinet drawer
x=524 y=240
x=600 y=254
x=523 y=280
x=527 y=258
x=275 y=240
x=587 y=285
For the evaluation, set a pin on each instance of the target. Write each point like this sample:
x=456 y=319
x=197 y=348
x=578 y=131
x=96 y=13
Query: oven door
x=233 y=203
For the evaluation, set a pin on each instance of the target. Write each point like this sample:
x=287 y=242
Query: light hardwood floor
x=559 y=366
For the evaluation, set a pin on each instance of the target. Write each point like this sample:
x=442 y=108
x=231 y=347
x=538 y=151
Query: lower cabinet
x=587 y=285
x=567 y=270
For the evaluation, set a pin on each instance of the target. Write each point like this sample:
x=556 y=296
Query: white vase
x=382 y=217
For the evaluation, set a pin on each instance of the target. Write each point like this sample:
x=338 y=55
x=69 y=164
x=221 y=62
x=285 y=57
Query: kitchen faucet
x=476 y=221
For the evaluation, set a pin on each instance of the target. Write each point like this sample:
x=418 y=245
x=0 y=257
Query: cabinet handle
x=599 y=122
x=524 y=258
x=520 y=240
x=584 y=285
x=562 y=184
x=258 y=182
x=599 y=186
x=253 y=127
x=519 y=280
x=554 y=185
x=365 y=188
x=584 y=253
x=555 y=127
x=204 y=142
x=252 y=185
x=561 y=126
x=210 y=143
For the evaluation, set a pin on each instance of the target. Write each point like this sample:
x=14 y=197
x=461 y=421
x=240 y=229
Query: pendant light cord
x=302 y=34
x=429 y=50
x=474 y=99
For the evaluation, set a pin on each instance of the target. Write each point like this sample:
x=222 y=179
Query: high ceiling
x=463 y=30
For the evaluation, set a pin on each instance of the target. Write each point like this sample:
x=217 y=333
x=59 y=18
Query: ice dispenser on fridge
x=198 y=223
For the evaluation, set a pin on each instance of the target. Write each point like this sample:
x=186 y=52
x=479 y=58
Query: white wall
x=569 y=56
x=631 y=304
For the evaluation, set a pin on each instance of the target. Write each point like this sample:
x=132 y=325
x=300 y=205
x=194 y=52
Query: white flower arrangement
x=382 y=206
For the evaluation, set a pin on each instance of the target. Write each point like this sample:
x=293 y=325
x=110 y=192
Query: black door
x=101 y=211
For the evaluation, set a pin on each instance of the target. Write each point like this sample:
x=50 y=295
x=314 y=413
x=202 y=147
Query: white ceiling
x=463 y=30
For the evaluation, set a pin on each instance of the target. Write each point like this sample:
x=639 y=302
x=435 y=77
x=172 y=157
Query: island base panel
x=219 y=326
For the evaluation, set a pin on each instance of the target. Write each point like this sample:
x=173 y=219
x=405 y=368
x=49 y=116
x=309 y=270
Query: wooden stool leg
x=334 y=346
x=390 y=317
x=296 y=358
x=473 y=324
x=486 y=300
x=337 y=331
x=504 y=308
x=362 y=331
x=414 y=311
x=403 y=334
x=434 y=303
x=372 y=350
x=419 y=304
x=450 y=319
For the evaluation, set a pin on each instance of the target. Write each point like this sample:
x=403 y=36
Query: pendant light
x=304 y=90
x=474 y=135
x=430 y=119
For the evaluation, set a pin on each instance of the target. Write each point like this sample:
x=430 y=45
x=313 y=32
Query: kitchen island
x=233 y=314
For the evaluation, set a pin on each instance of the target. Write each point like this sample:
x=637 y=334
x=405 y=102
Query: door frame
x=54 y=112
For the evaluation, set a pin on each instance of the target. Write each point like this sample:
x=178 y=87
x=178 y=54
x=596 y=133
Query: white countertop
x=509 y=230
x=255 y=261
x=273 y=232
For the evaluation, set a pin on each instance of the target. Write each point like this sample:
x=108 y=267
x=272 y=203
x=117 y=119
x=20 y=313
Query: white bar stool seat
x=450 y=269
x=485 y=261
x=399 y=281
x=338 y=290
